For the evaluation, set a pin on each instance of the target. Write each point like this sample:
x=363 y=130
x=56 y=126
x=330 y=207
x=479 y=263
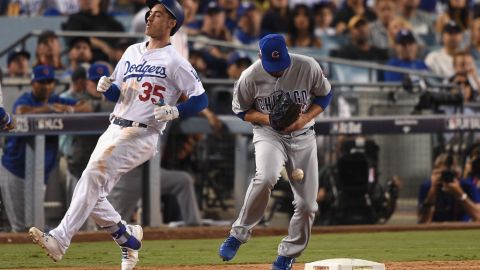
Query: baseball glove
x=284 y=112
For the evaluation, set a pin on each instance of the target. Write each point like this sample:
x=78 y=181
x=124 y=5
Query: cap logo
x=275 y=55
x=99 y=70
x=45 y=71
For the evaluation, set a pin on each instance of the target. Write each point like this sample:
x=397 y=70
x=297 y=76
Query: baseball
x=297 y=175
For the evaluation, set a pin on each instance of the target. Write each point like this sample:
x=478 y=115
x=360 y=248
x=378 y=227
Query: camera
x=448 y=176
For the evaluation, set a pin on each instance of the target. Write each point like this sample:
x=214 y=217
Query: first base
x=344 y=264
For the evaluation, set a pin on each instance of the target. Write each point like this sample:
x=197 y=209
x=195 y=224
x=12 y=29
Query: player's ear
x=172 y=23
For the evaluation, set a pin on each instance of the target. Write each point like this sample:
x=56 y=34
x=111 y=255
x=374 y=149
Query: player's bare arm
x=255 y=117
x=304 y=118
x=23 y=109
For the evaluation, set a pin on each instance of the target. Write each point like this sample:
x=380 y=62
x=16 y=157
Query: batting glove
x=165 y=113
x=103 y=84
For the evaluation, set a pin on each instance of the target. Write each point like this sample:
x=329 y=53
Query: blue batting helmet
x=173 y=7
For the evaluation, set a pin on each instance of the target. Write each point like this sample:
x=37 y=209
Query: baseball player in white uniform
x=146 y=84
x=302 y=78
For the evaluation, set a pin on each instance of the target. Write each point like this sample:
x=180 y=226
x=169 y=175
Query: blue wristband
x=113 y=93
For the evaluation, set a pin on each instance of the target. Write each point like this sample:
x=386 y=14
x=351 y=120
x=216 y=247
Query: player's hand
x=7 y=123
x=165 y=113
x=103 y=84
x=62 y=108
x=436 y=177
x=298 y=124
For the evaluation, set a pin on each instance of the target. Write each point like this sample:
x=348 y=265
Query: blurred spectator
x=406 y=50
x=441 y=61
x=301 y=28
x=248 y=26
x=79 y=148
x=394 y=26
x=18 y=63
x=348 y=11
x=457 y=11
x=472 y=166
x=119 y=49
x=40 y=7
x=465 y=77
x=237 y=63
x=180 y=184
x=12 y=171
x=475 y=41
x=379 y=28
x=275 y=19
x=230 y=8
x=80 y=53
x=214 y=23
x=323 y=15
x=421 y=21
x=93 y=16
x=77 y=91
x=192 y=24
x=445 y=197
x=360 y=47
x=429 y=5
x=49 y=50
x=138 y=21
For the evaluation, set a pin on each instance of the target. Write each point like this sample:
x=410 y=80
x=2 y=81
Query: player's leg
x=181 y=184
x=269 y=159
x=13 y=193
x=303 y=155
x=118 y=150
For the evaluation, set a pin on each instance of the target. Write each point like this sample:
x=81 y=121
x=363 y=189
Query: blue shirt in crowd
x=15 y=147
x=398 y=77
x=447 y=206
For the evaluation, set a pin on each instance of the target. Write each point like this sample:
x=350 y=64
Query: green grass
x=394 y=246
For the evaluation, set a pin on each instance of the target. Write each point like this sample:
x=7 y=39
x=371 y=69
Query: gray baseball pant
x=272 y=152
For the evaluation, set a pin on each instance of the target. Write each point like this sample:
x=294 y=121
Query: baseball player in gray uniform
x=295 y=147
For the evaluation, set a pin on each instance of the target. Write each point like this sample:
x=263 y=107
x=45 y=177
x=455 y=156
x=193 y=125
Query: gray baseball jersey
x=302 y=80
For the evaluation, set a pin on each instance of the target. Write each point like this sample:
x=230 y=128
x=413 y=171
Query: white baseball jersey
x=147 y=76
x=303 y=80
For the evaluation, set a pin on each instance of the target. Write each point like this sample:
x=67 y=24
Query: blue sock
x=124 y=239
x=132 y=243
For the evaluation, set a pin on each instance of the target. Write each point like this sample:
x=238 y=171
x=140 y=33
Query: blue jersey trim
x=193 y=105
x=323 y=101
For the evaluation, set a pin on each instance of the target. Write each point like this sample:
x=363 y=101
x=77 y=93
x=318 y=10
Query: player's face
x=43 y=89
x=159 y=22
x=407 y=51
x=81 y=52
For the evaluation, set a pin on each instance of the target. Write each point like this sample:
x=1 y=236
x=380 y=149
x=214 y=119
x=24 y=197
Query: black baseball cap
x=46 y=35
x=78 y=74
x=213 y=7
x=405 y=36
x=452 y=28
x=76 y=40
x=15 y=53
